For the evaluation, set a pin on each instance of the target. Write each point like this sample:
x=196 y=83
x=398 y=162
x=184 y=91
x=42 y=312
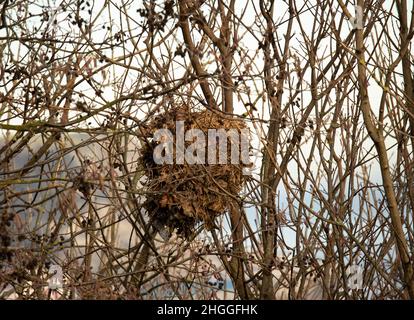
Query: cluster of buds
x=88 y=178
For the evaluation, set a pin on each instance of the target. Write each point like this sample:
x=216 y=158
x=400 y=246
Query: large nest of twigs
x=179 y=196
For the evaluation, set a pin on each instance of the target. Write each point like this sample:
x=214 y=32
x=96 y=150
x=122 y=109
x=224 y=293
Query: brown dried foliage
x=180 y=196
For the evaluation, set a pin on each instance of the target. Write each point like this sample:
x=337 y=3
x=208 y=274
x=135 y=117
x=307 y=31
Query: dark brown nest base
x=180 y=196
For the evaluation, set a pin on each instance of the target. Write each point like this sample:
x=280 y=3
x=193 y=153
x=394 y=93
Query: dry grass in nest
x=180 y=196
